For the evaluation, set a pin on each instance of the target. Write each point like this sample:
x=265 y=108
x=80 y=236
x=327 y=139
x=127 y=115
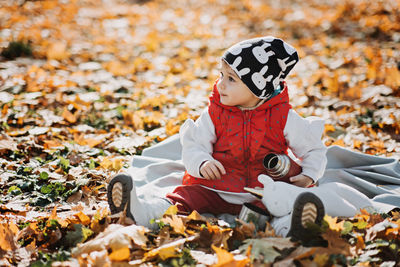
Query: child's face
x=232 y=90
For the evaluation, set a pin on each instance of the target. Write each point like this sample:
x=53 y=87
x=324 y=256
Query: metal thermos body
x=252 y=213
x=281 y=167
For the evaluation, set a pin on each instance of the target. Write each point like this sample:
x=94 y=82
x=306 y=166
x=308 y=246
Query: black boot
x=307 y=215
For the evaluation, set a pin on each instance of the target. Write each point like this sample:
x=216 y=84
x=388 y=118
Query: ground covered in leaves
x=84 y=85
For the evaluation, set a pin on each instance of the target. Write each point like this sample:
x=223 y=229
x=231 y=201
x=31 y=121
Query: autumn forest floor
x=85 y=85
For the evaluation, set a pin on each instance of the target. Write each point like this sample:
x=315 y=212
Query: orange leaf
x=68 y=116
x=53 y=215
x=306 y=254
x=338 y=142
x=57 y=51
x=48 y=144
x=120 y=254
x=83 y=218
x=119 y=69
x=93 y=142
x=357 y=144
x=7 y=237
x=224 y=256
x=227 y=259
x=80 y=140
x=360 y=243
x=329 y=128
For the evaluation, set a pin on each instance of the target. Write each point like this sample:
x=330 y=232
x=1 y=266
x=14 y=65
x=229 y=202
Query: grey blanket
x=159 y=170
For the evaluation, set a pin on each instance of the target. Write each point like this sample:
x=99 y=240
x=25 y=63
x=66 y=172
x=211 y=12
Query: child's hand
x=301 y=180
x=212 y=170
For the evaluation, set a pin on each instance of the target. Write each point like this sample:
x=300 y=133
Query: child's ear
x=265 y=180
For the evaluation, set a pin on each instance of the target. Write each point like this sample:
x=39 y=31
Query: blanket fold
x=159 y=170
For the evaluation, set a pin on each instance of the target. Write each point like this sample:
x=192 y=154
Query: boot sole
x=308 y=209
x=118 y=194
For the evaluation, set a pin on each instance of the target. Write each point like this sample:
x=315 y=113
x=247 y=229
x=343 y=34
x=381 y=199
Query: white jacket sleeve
x=303 y=136
x=197 y=139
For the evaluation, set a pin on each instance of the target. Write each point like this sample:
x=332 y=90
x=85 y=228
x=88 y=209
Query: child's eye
x=231 y=79
x=221 y=74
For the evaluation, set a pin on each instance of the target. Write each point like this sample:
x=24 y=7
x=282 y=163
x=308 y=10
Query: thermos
x=255 y=214
x=281 y=167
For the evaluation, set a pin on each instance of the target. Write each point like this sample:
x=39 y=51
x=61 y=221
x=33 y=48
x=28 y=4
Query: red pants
x=195 y=197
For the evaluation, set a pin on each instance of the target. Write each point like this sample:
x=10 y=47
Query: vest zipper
x=246 y=144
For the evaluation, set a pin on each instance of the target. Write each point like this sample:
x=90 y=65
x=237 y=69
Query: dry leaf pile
x=84 y=85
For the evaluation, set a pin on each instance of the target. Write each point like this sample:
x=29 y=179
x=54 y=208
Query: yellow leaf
x=172 y=249
x=321 y=259
x=167 y=252
x=120 y=254
x=196 y=216
x=169 y=80
x=171 y=128
x=333 y=224
x=172 y=210
x=112 y=164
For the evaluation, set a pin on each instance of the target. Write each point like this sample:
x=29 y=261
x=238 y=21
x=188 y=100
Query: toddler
x=248 y=116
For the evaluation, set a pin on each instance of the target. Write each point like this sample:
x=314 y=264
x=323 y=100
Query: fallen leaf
x=83 y=218
x=57 y=51
x=176 y=223
x=68 y=116
x=114 y=237
x=266 y=247
x=120 y=254
x=8 y=232
x=333 y=224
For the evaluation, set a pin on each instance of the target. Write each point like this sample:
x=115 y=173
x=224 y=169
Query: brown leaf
x=336 y=244
x=114 y=237
x=8 y=233
x=298 y=254
x=176 y=223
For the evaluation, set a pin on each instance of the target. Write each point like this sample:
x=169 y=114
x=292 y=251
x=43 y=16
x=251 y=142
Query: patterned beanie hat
x=261 y=63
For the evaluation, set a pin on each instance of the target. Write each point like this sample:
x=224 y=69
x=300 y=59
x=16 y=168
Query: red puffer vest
x=243 y=139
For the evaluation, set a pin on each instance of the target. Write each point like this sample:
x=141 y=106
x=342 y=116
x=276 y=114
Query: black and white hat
x=261 y=63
